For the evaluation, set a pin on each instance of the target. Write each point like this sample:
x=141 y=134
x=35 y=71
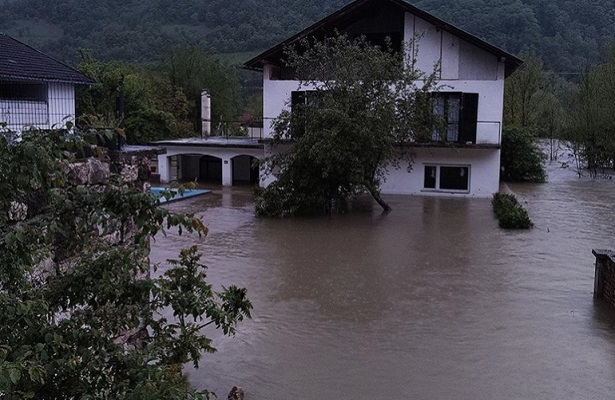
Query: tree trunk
x=376 y=195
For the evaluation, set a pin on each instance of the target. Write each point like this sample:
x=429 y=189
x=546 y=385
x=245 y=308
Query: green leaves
x=185 y=292
x=79 y=311
x=353 y=124
x=521 y=158
x=510 y=214
x=592 y=129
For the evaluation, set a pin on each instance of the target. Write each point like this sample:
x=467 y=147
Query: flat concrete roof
x=214 y=141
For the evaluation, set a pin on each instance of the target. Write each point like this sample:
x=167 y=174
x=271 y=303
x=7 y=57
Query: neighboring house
x=35 y=90
x=471 y=72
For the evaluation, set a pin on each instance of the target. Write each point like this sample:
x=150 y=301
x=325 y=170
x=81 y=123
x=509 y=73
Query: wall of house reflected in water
x=431 y=301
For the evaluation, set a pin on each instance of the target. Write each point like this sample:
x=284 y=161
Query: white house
x=472 y=73
x=35 y=90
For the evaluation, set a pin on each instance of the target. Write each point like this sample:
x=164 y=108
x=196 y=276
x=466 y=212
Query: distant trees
x=190 y=70
x=568 y=35
x=153 y=108
x=592 y=125
x=531 y=109
x=160 y=102
x=530 y=101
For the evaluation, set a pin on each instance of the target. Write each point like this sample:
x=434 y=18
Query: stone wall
x=133 y=167
x=604 y=278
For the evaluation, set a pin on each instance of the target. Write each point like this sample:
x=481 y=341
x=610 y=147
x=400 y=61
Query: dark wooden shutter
x=297 y=107
x=468 y=118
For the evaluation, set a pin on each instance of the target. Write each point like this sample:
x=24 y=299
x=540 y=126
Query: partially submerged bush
x=521 y=160
x=510 y=214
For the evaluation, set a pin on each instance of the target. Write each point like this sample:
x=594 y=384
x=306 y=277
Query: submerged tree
x=592 y=128
x=81 y=317
x=357 y=109
x=522 y=159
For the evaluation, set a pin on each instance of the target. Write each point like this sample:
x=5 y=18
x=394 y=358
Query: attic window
x=23 y=91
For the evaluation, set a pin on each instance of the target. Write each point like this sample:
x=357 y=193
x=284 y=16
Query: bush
x=522 y=160
x=510 y=214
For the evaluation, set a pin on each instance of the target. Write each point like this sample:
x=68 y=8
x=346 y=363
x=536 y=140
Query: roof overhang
x=257 y=63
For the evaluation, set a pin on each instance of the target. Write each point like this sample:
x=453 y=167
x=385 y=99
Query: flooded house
x=462 y=161
x=470 y=71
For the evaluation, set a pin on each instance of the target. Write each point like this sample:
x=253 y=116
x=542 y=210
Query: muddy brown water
x=431 y=301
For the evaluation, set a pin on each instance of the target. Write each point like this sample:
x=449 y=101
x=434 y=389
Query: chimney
x=205 y=113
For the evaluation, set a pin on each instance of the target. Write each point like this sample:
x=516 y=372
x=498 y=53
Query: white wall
x=484 y=171
x=463 y=68
x=225 y=154
x=456 y=58
x=61 y=98
x=490 y=104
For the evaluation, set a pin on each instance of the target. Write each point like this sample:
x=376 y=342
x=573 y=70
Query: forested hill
x=138 y=30
x=567 y=34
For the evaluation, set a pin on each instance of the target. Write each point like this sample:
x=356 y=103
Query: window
x=23 y=91
x=447 y=107
x=459 y=116
x=447 y=178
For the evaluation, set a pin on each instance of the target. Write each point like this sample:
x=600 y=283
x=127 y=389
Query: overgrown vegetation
x=161 y=102
x=509 y=213
x=81 y=316
x=521 y=158
x=347 y=129
x=592 y=126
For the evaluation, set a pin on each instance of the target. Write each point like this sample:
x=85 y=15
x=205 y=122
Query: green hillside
x=568 y=35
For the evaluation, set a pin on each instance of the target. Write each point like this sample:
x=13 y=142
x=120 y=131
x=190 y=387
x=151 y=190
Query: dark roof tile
x=20 y=62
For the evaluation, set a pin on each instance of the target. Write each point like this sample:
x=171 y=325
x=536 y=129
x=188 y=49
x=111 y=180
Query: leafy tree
x=521 y=158
x=153 y=108
x=530 y=101
x=80 y=314
x=362 y=107
x=191 y=70
x=592 y=127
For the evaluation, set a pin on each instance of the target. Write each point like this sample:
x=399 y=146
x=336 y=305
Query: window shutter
x=468 y=118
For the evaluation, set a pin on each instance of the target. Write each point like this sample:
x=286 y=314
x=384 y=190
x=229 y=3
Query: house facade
x=35 y=90
x=470 y=72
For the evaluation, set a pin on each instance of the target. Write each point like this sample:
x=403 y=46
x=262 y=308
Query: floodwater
x=432 y=301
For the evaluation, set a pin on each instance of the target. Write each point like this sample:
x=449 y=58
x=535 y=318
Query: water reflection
x=431 y=301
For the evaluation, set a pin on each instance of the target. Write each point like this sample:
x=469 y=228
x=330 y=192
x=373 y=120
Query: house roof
x=512 y=62
x=20 y=62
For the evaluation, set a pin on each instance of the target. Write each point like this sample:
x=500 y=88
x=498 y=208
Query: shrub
x=510 y=214
x=522 y=160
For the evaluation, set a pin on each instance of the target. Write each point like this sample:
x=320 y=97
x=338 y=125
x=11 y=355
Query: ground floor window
x=447 y=178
